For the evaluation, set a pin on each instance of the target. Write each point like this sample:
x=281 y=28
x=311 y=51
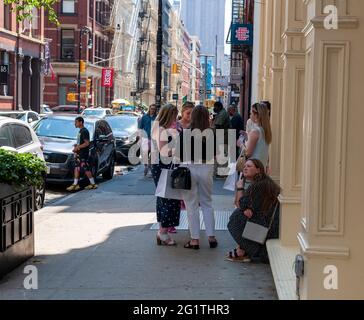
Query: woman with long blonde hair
x=168 y=210
x=260 y=137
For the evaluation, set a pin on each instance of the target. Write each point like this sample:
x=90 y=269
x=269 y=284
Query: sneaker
x=91 y=187
x=74 y=187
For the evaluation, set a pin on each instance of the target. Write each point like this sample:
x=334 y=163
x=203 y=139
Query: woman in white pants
x=200 y=162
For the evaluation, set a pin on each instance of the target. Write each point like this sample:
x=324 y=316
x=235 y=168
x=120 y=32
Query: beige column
x=276 y=77
x=292 y=120
x=268 y=43
x=332 y=220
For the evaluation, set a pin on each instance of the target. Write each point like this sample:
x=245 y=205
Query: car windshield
x=47 y=109
x=128 y=124
x=60 y=128
x=14 y=115
x=93 y=112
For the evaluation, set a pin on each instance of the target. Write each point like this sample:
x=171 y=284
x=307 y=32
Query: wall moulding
x=318 y=251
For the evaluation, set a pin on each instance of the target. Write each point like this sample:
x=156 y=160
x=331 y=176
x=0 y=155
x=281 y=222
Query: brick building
x=21 y=60
x=64 y=50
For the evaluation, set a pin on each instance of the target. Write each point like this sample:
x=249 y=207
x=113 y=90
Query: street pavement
x=98 y=245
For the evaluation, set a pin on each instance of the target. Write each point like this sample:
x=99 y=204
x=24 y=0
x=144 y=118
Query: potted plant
x=20 y=174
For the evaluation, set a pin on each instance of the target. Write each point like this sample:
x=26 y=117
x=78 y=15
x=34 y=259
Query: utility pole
x=158 y=87
x=83 y=31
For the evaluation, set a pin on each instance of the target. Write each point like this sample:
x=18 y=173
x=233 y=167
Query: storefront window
x=4 y=73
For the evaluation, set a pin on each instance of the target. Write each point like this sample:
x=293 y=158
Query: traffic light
x=88 y=84
x=71 y=96
x=176 y=68
x=82 y=66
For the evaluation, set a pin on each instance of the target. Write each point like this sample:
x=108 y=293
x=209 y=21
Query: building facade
x=124 y=49
x=310 y=68
x=21 y=60
x=64 y=49
x=206 y=19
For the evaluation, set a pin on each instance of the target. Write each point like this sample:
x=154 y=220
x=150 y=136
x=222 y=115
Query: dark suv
x=58 y=135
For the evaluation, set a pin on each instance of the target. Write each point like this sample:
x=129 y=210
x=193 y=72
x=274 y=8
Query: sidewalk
x=98 y=245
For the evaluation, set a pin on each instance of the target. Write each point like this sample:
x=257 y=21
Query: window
x=33 y=116
x=22 y=135
x=7 y=17
x=68 y=44
x=68 y=6
x=5 y=137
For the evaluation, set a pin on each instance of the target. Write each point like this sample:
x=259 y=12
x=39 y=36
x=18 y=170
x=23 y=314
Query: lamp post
x=84 y=31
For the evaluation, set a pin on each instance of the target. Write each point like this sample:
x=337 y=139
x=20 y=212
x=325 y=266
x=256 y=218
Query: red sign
x=107 y=77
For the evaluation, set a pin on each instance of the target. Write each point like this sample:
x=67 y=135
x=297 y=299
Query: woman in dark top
x=257 y=204
x=197 y=145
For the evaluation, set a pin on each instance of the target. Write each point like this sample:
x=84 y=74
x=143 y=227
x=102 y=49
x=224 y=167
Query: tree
x=24 y=8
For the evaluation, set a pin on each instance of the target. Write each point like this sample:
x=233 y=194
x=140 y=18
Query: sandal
x=165 y=240
x=189 y=245
x=234 y=257
x=213 y=244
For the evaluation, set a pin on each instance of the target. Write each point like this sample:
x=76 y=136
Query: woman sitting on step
x=257 y=203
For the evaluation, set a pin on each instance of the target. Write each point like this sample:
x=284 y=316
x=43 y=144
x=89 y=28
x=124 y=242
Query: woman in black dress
x=168 y=210
x=257 y=204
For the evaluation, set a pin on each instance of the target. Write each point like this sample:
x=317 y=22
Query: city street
x=99 y=245
x=55 y=192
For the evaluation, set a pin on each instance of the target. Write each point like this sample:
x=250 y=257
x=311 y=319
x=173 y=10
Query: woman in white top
x=260 y=136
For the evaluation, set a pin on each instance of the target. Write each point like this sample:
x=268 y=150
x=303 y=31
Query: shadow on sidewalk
x=126 y=263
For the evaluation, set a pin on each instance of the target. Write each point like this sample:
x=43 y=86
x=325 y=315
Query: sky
x=228 y=8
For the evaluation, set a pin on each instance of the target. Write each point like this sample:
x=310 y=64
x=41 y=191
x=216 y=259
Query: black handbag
x=181 y=178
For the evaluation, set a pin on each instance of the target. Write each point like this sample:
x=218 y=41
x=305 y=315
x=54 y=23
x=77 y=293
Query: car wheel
x=39 y=195
x=109 y=173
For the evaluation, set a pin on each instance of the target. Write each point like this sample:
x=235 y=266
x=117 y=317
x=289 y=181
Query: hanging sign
x=107 y=77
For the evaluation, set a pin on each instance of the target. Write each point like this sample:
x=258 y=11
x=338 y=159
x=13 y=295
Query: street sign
x=175 y=96
x=133 y=94
x=4 y=71
x=107 y=77
x=242 y=34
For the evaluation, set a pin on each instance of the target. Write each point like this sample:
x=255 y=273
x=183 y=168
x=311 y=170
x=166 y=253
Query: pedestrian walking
x=81 y=152
x=201 y=167
x=221 y=121
x=168 y=210
x=145 y=124
x=237 y=124
x=257 y=204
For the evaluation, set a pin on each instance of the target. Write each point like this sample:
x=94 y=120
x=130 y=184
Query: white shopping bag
x=230 y=182
x=164 y=187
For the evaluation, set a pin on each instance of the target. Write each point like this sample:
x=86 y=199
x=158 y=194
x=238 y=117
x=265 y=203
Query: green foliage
x=24 y=8
x=22 y=169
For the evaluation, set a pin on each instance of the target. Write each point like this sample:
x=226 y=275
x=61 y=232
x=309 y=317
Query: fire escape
x=144 y=42
x=241 y=59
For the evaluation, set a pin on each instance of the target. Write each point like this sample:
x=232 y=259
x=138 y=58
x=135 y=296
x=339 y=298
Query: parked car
x=27 y=116
x=125 y=129
x=18 y=136
x=68 y=108
x=58 y=135
x=45 y=110
x=97 y=112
